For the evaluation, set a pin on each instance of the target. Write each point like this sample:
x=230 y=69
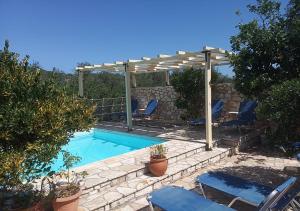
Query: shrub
x=282 y=107
x=37 y=118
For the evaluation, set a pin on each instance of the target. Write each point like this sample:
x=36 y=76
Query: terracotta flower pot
x=69 y=203
x=158 y=166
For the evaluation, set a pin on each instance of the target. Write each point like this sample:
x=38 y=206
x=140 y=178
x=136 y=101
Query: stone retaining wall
x=166 y=96
x=228 y=95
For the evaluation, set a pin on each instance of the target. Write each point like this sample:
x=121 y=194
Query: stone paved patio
x=264 y=168
x=171 y=131
x=114 y=181
x=122 y=182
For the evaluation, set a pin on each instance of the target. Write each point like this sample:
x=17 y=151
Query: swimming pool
x=99 y=144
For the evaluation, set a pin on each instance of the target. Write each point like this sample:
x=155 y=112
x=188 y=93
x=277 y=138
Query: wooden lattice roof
x=163 y=62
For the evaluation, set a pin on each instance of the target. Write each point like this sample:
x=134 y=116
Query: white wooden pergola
x=204 y=59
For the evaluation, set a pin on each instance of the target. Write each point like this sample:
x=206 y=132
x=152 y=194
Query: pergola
x=205 y=59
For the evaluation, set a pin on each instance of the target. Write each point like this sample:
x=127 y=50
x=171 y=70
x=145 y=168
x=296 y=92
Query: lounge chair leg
x=295 y=203
x=202 y=190
x=234 y=200
x=150 y=204
x=294 y=206
x=242 y=200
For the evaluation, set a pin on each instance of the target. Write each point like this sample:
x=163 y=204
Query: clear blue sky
x=61 y=33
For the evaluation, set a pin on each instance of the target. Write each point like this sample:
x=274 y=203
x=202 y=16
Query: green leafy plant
x=37 y=118
x=281 y=107
x=66 y=182
x=158 y=151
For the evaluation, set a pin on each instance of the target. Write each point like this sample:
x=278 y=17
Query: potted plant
x=158 y=161
x=65 y=185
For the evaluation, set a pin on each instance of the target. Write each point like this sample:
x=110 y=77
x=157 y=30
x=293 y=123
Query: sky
x=62 y=33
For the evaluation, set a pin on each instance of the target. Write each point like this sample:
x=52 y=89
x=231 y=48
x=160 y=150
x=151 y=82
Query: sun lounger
x=245 y=116
x=243 y=190
x=150 y=109
x=172 y=198
x=217 y=108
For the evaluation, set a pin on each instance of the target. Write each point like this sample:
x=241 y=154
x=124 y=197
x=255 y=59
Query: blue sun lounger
x=242 y=190
x=296 y=145
x=246 y=114
x=134 y=108
x=150 y=109
x=172 y=198
x=217 y=107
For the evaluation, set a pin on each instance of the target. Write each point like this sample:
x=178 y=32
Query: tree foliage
x=100 y=84
x=190 y=86
x=267 y=48
x=103 y=85
x=267 y=53
x=37 y=117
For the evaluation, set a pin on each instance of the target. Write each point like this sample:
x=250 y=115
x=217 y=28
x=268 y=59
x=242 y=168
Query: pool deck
x=115 y=181
x=122 y=183
x=261 y=167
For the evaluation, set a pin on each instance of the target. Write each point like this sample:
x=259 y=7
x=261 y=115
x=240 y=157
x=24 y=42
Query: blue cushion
x=217 y=107
x=286 y=184
x=151 y=107
x=296 y=145
x=235 y=186
x=172 y=198
x=200 y=121
x=246 y=114
x=238 y=187
x=134 y=105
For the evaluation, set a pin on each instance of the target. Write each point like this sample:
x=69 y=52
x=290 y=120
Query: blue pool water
x=98 y=144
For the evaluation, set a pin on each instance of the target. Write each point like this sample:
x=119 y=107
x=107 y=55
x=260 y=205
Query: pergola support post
x=167 y=76
x=128 y=97
x=133 y=80
x=80 y=83
x=208 y=116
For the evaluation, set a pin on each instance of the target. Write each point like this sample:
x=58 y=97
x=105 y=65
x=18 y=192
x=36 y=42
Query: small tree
x=190 y=86
x=37 y=118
